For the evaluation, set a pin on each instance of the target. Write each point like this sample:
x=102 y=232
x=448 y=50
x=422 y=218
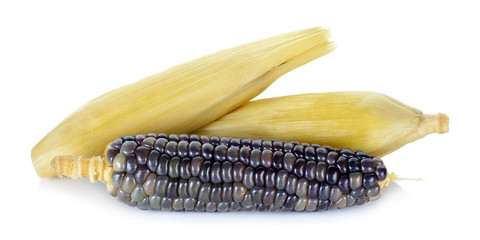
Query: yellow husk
x=372 y=122
x=182 y=98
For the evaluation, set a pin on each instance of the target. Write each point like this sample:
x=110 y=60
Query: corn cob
x=192 y=173
x=373 y=122
x=216 y=84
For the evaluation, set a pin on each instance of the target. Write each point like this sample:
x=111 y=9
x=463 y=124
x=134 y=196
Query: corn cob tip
x=435 y=123
x=95 y=168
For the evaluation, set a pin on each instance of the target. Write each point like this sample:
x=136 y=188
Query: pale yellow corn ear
x=182 y=98
x=372 y=122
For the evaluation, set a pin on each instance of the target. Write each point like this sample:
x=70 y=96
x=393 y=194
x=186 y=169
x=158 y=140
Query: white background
x=57 y=55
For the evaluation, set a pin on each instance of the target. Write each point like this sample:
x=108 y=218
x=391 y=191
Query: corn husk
x=182 y=98
x=372 y=122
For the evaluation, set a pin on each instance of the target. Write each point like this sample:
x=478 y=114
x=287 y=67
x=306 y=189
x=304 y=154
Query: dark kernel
x=367 y=165
x=255 y=158
x=256 y=144
x=182 y=149
x=281 y=180
x=381 y=172
x=330 y=149
x=141 y=174
x=196 y=166
x=216 y=172
x=189 y=204
x=117 y=143
x=185 y=172
x=238 y=172
x=310 y=154
x=161 y=186
x=204 y=139
x=321 y=154
x=291 y=185
x=216 y=195
x=280 y=198
x=162 y=135
x=205 y=171
x=277 y=146
x=239 y=191
x=184 y=137
x=332 y=158
x=204 y=193
x=374 y=191
x=200 y=207
x=277 y=160
x=260 y=176
x=171 y=148
x=174 y=167
x=299 y=167
x=324 y=191
x=248 y=178
x=267 y=145
x=117 y=179
x=220 y=153
x=194 y=185
x=290 y=201
x=128 y=147
x=152 y=161
x=361 y=155
x=356 y=180
x=139 y=139
x=142 y=154
x=332 y=175
x=160 y=145
x=233 y=154
x=149 y=142
x=183 y=188
x=288 y=147
x=342 y=164
x=227 y=192
x=235 y=142
x=289 y=160
x=245 y=143
x=266 y=158
x=162 y=168
x=346 y=153
x=123 y=196
x=173 y=137
x=298 y=151
x=335 y=193
x=354 y=165
x=131 y=164
x=257 y=194
x=344 y=184
x=207 y=151
x=224 y=141
x=194 y=137
x=302 y=188
x=270 y=177
x=321 y=171
x=110 y=155
x=358 y=193
x=172 y=188
x=369 y=180
x=313 y=188
x=323 y=205
x=245 y=155
x=227 y=169
x=310 y=170
x=247 y=200
x=361 y=201
x=128 y=138
x=269 y=197
x=262 y=207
